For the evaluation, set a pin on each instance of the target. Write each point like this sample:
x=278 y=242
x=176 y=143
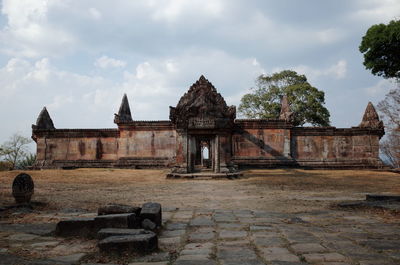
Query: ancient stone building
x=203 y=133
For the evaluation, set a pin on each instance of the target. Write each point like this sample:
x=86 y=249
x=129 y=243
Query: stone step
x=141 y=244
x=125 y=220
x=107 y=232
x=80 y=227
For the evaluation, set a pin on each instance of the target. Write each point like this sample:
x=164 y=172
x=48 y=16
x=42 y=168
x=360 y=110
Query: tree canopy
x=306 y=101
x=381 y=49
x=15 y=150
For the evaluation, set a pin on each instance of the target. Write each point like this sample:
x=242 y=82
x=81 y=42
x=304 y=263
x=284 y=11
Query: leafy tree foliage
x=15 y=150
x=27 y=161
x=306 y=101
x=381 y=49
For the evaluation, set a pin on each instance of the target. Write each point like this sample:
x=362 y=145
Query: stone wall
x=332 y=147
x=253 y=143
x=203 y=115
x=138 y=146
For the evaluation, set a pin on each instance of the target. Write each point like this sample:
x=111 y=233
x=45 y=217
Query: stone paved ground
x=227 y=237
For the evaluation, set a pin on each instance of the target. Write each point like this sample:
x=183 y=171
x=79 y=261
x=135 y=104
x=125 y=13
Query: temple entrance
x=204 y=125
x=203 y=153
x=203 y=160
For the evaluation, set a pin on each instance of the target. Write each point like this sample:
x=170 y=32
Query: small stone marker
x=143 y=243
x=125 y=220
x=151 y=211
x=82 y=227
x=107 y=232
x=118 y=209
x=22 y=188
x=149 y=225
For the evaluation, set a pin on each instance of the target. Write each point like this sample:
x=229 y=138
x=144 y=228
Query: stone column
x=216 y=154
x=286 y=144
x=191 y=153
x=181 y=165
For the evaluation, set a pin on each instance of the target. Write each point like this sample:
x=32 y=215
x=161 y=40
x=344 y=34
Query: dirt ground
x=283 y=190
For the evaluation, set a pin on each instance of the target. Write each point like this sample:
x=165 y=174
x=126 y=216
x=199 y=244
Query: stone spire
x=124 y=112
x=371 y=118
x=43 y=122
x=285 y=114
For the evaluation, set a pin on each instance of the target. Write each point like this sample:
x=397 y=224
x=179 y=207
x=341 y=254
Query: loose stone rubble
x=118 y=228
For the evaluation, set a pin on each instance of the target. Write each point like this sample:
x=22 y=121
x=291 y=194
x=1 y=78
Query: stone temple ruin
x=201 y=122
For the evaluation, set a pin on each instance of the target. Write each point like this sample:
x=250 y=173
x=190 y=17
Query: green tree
x=306 y=101
x=381 y=49
x=15 y=150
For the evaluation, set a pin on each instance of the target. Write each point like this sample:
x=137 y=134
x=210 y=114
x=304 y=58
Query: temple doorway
x=203 y=150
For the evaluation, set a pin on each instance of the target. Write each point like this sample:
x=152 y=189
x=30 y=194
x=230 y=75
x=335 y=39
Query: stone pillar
x=217 y=154
x=181 y=165
x=286 y=144
x=191 y=153
x=224 y=153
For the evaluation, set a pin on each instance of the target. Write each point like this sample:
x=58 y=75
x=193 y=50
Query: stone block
x=232 y=234
x=149 y=225
x=107 y=232
x=126 y=220
x=79 y=227
x=141 y=244
x=22 y=188
x=313 y=258
x=152 y=211
x=118 y=209
x=308 y=248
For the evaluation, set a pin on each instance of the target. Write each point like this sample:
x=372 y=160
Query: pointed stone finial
x=202 y=78
x=124 y=112
x=43 y=122
x=371 y=118
x=285 y=114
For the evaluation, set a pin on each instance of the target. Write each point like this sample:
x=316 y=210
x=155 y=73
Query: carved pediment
x=371 y=118
x=202 y=107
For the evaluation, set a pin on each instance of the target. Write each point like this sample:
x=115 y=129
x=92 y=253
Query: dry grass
x=287 y=190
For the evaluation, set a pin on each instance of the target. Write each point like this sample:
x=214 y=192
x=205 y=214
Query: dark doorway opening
x=204 y=153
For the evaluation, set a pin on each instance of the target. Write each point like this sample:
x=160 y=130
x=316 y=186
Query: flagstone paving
x=226 y=237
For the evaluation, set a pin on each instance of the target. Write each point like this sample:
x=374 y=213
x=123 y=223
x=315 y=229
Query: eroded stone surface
x=142 y=243
x=328 y=238
x=152 y=211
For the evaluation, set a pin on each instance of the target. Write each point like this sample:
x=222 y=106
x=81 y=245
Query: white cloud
x=87 y=101
x=377 y=11
x=328 y=36
x=28 y=32
x=94 y=13
x=337 y=71
x=174 y=10
x=107 y=62
x=381 y=88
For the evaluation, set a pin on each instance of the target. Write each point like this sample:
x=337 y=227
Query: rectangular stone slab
x=81 y=227
x=107 y=232
x=152 y=211
x=118 y=209
x=126 y=220
x=141 y=244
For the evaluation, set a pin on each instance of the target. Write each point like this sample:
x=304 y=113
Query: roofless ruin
x=204 y=134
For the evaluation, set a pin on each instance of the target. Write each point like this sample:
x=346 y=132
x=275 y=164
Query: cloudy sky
x=79 y=57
